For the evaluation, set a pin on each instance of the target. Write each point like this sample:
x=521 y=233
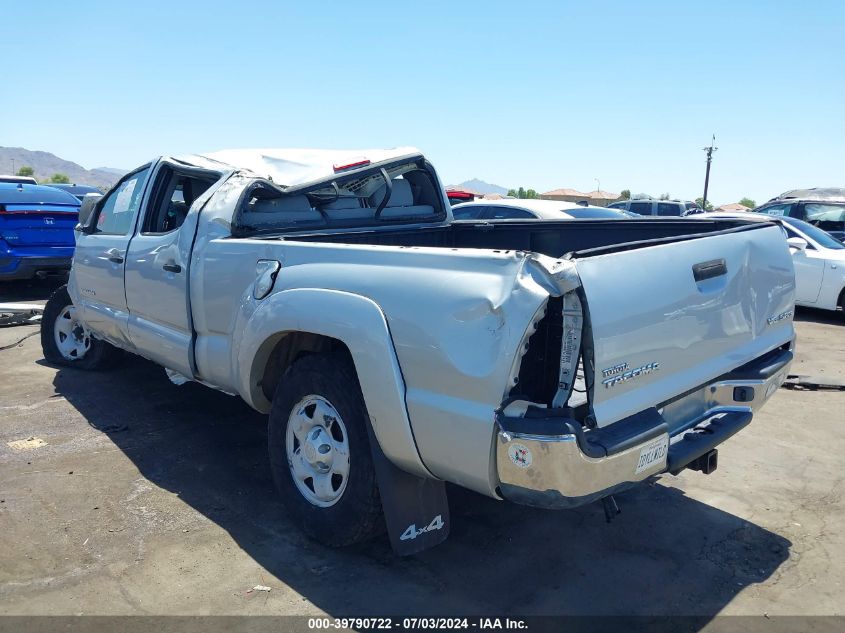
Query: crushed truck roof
x=289 y=167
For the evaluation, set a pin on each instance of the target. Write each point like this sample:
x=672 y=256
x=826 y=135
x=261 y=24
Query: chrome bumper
x=548 y=460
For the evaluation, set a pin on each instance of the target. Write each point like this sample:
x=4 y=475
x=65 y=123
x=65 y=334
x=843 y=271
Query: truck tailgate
x=667 y=318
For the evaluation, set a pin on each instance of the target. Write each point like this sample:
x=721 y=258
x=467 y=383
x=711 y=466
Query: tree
x=700 y=203
x=60 y=179
x=664 y=196
x=748 y=202
x=523 y=194
x=625 y=195
x=26 y=171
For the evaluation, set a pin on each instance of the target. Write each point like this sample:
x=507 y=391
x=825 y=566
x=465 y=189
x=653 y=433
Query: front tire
x=65 y=340
x=320 y=451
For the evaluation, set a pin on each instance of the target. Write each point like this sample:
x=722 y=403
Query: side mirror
x=798 y=243
x=86 y=210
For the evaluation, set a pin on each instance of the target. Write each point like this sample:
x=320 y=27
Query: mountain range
x=45 y=164
x=482 y=187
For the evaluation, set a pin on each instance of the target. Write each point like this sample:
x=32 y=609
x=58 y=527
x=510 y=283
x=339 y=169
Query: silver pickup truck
x=547 y=363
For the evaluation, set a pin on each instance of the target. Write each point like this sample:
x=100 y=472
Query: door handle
x=172 y=268
x=708 y=270
x=114 y=256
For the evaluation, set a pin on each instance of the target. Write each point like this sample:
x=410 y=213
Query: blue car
x=36 y=230
x=78 y=191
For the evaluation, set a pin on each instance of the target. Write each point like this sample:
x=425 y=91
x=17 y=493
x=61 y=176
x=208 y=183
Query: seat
x=346 y=208
x=280 y=212
x=401 y=203
x=175 y=215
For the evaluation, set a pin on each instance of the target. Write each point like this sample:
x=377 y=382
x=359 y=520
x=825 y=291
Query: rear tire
x=320 y=451
x=66 y=342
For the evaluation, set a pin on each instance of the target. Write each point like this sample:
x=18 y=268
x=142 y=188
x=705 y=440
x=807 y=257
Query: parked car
x=24 y=180
x=656 y=207
x=78 y=191
x=522 y=209
x=819 y=260
x=36 y=230
x=821 y=207
x=395 y=350
x=457 y=196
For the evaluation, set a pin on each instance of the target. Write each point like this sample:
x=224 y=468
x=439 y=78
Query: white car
x=819 y=260
x=523 y=209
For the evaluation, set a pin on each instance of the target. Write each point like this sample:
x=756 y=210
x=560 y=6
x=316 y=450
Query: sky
x=542 y=95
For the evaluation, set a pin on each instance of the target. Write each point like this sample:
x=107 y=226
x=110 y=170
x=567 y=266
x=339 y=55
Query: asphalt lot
x=148 y=498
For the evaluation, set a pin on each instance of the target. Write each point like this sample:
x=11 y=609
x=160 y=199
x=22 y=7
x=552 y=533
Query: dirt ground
x=148 y=498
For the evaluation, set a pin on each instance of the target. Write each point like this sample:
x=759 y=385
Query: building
x=733 y=206
x=594 y=198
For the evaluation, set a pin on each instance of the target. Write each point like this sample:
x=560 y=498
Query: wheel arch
x=280 y=351
x=291 y=323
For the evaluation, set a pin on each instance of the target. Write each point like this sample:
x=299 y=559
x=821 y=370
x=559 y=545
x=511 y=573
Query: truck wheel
x=320 y=452
x=66 y=341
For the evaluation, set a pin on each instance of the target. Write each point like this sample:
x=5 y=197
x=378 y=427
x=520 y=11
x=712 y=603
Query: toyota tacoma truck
x=546 y=363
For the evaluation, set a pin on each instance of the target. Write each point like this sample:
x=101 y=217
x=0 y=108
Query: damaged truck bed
x=548 y=363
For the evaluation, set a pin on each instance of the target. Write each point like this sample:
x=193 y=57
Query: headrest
x=401 y=196
x=344 y=202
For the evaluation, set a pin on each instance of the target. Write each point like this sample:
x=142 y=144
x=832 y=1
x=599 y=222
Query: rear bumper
x=547 y=459
x=12 y=267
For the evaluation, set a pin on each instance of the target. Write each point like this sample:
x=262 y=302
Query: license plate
x=652 y=453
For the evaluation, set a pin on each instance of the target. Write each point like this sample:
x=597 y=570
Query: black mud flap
x=415 y=509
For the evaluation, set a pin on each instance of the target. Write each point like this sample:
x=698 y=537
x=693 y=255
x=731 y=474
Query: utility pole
x=709 y=151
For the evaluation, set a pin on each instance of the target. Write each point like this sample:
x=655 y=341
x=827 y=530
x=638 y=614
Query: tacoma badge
x=630 y=374
x=779 y=317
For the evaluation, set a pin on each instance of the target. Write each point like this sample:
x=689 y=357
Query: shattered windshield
x=818 y=212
